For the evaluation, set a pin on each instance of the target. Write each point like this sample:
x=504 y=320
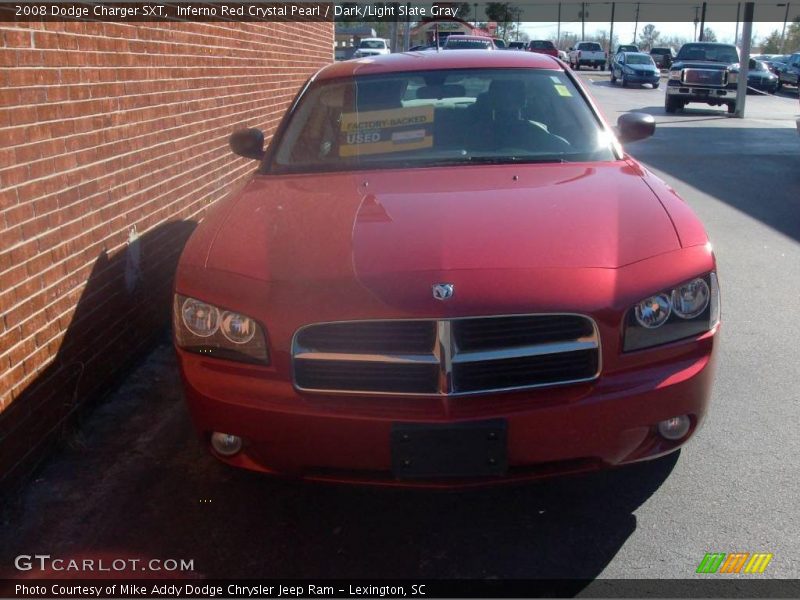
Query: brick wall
x=107 y=127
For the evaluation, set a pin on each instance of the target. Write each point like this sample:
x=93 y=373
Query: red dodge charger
x=446 y=271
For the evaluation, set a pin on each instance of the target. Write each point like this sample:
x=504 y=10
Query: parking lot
x=140 y=484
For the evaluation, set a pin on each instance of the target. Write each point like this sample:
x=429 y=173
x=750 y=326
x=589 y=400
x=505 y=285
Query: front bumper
x=607 y=422
x=763 y=85
x=643 y=78
x=695 y=93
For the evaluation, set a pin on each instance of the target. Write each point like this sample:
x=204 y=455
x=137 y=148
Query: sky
x=624 y=30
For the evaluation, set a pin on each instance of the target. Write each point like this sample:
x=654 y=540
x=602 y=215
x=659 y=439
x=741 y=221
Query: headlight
x=690 y=299
x=203 y=328
x=237 y=328
x=653 y=312
x=675 y=75
x=199 y=318
x=733 y=77
x=685 y=311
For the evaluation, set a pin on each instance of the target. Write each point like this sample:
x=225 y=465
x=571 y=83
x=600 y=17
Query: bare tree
x=709 y=35
x=648 y=37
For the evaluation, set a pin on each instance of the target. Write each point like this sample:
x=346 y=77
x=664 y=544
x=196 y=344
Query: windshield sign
x=454 y=44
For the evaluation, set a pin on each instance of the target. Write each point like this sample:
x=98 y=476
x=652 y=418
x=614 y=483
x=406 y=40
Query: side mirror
x=570 y=48
x=248 y=143
x=635 y=126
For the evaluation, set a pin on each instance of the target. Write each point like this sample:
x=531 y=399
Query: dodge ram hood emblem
x=443 y=291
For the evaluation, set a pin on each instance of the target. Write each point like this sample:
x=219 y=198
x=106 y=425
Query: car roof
x=708 y=44
x=432 y=61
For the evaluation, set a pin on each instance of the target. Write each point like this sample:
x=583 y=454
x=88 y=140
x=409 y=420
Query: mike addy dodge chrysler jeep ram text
x=446 y=271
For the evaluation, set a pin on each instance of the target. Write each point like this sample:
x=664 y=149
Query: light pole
x=558 y=31
x=783 y=33
x=636 y=25
x=476 y=14
x=744 y=65
x=696 y=21
x=611 y=35
x=736 y=35
x=702 y=23
x=583 y=20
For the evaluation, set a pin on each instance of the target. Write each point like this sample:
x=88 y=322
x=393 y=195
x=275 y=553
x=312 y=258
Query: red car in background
x=543 y=47
x=446 y=271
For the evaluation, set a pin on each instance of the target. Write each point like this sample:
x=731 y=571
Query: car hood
x=701 y=64
x=375 y=224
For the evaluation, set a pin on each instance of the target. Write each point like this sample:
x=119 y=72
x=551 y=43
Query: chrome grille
x=369 y=336
x=446 y=357
x=705 y=76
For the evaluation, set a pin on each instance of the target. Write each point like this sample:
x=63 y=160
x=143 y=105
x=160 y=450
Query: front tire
x=670 y=105
x=613 y=78
x=731 y=108
x=655 y=86
x=624 y=81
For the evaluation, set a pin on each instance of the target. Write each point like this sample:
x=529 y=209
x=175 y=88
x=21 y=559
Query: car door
x=619 y=61
x=794 y=71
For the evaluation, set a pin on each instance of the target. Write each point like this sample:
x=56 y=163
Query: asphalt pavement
x=134 y=481
x=736 y=485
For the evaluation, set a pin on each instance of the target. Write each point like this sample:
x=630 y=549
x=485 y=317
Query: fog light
x=225 y=443
x=674 y=428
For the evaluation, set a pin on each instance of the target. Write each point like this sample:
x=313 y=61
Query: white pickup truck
x=587 y=53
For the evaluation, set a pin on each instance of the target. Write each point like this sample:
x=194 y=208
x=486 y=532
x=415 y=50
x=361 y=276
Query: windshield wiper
x=515 y=160
x=484 y=160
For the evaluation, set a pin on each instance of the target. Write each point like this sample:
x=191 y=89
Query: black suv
x=663 y=57
x=703 y=72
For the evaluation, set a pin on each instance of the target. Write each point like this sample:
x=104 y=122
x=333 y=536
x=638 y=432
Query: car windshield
x=711 y=53
x=757 y=65
x=631 y=48
x=373 y=44
x=638 y=59
x=441 y=118
x=590 y=47
x=454 y=44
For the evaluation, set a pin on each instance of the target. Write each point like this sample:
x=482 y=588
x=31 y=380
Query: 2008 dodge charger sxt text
x=445 y=272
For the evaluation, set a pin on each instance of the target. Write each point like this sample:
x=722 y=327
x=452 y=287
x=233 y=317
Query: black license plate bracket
x=471 y=449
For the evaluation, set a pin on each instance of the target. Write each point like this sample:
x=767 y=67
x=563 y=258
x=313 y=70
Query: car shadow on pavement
x=689 y=112
x=157 y=493
x=752 y=169
x=631 y=86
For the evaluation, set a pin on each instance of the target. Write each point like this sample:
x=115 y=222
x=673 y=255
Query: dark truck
x=703 y=72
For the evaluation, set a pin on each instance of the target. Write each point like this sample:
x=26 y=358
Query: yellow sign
x=563 y=90
x=384 y=131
